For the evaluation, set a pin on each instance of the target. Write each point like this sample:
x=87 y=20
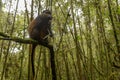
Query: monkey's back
x=38 y=27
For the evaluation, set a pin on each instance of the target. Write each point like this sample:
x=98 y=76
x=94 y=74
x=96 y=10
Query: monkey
x=39 y=29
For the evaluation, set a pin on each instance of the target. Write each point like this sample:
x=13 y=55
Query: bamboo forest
x=59 y=39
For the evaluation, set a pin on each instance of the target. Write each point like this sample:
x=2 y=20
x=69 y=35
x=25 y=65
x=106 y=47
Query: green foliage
x=84 y=41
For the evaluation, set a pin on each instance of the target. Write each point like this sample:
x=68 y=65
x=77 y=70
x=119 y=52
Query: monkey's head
x=47 y=15
x=47 y=12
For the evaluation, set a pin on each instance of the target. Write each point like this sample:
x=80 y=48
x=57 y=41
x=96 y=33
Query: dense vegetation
x=86 y=39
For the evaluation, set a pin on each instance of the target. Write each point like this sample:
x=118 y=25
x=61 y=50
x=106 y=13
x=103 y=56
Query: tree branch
x=16 y=39
x=24 y=41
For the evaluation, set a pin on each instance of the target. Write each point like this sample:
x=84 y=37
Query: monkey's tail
x=32 y=59
x=52 y=60
x=31 y=69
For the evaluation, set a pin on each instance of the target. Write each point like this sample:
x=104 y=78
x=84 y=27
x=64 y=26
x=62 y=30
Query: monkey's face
x=47 y=15
x=46 y=18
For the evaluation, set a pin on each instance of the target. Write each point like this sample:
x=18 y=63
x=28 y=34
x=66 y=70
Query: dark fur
x=38 y=29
